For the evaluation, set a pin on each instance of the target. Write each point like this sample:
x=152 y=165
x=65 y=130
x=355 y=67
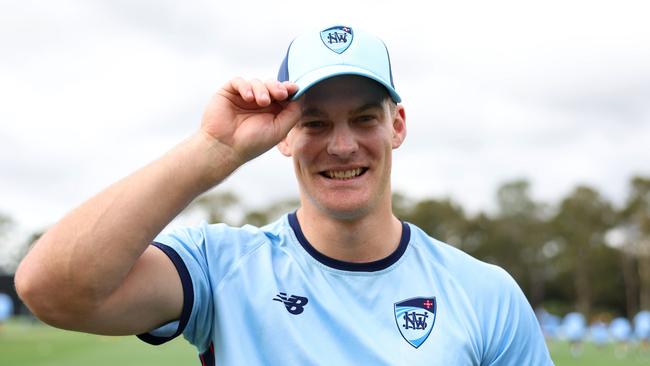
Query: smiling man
x=341 y=281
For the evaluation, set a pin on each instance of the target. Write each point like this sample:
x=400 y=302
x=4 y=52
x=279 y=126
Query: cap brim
x=312 y=78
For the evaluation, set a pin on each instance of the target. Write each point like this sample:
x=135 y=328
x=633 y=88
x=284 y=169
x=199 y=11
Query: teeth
x=343 y=174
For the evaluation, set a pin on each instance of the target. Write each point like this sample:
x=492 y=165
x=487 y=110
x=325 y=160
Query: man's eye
x=365 y=118
x=313 y=124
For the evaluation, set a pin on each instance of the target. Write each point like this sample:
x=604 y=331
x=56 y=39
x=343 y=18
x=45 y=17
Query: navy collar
x=377 y=265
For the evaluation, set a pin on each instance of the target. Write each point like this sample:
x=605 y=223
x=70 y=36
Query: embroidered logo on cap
x=338 y=38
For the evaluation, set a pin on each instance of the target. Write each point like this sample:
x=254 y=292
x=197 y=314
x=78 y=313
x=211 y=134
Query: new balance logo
x=294 y=304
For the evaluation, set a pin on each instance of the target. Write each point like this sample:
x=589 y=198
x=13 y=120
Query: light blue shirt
x=574 y=327
x=642 y=325
x=6 y=307
x=265 y=296
x=620 y=329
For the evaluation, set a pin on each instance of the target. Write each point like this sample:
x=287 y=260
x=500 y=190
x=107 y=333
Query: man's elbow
x=30 y=288
x=41 y=295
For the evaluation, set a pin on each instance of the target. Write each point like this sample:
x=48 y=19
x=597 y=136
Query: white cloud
x=556 y=92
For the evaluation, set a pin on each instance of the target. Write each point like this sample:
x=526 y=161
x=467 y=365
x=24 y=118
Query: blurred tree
x=270 y=213
x=216 y=206
x=631 y=272
x=443 y=220
x=636 y=236
x=607 y=280
x=402 y=205
x=6 y=224
x=523 y=226
x=513 y=200
x=621 y=238
x=580 y=224
x=476 y=236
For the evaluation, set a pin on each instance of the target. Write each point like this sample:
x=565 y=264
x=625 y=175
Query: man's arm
x=94 y=270
x=510 y=328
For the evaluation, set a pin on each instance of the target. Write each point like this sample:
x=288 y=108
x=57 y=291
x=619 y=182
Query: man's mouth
x=343 y=174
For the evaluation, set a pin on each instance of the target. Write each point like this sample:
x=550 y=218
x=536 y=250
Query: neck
x=364 y=239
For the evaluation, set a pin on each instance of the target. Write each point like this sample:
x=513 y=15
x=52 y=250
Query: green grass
x=610 y=355
x=28 y=344
x=34 y=344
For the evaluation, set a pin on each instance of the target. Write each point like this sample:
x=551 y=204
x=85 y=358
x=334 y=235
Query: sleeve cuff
x=173 y=329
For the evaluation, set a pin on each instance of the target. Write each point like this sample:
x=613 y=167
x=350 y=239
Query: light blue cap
x=338 y=50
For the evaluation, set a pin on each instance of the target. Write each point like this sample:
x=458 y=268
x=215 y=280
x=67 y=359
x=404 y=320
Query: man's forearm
x=86 y=255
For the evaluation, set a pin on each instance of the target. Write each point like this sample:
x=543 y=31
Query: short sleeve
x=186 y=248
x=510 y=328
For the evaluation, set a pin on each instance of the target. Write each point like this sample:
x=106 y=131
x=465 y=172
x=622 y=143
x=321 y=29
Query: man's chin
x=346 y=212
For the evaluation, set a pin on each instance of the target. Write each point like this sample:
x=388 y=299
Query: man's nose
x=342 y=142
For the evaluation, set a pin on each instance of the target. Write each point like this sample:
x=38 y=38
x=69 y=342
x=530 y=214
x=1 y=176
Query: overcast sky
x=557 y=92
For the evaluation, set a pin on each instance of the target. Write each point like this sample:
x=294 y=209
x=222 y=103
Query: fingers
x=261 y=93
x=277 y=90
x=280 y=90
x=262 y=96
x=241 y=87
x=287 y=118
x=291 y=87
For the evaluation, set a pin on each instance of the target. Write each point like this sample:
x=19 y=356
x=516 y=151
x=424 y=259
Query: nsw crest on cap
x=415 y=318
x=338 y=38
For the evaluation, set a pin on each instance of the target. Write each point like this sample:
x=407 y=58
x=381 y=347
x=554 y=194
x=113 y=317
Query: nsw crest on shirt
x=415 y=318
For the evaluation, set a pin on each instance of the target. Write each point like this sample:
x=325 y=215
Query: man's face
x=342 y=146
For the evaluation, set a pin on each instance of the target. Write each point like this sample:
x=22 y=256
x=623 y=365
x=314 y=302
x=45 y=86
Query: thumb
x=286 y=119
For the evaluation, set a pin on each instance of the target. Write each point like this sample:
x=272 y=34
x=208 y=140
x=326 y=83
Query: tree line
x=582 y=253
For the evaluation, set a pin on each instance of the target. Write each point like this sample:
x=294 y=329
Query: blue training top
x=265 y=296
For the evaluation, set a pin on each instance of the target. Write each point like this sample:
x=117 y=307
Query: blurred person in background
x=574 y=329
x=6 y=308
x=620 y=331
x=599 y=332
x=642 y=329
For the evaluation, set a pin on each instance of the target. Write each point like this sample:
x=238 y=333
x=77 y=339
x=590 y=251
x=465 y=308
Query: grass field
x=28 y=344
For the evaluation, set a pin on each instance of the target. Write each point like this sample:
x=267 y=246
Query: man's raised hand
x=251 y=116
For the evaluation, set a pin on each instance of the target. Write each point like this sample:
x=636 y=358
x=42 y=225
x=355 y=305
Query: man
x=340 y=281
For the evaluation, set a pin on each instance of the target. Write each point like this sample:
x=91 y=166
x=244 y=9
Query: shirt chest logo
x=295 y=304
x=415 y=318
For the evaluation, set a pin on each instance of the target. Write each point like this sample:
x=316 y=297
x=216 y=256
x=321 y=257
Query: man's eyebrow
x=313 y=112
x=365 y=107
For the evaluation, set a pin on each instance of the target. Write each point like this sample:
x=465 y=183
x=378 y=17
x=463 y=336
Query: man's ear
x=399 y=126
x=283 y=146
